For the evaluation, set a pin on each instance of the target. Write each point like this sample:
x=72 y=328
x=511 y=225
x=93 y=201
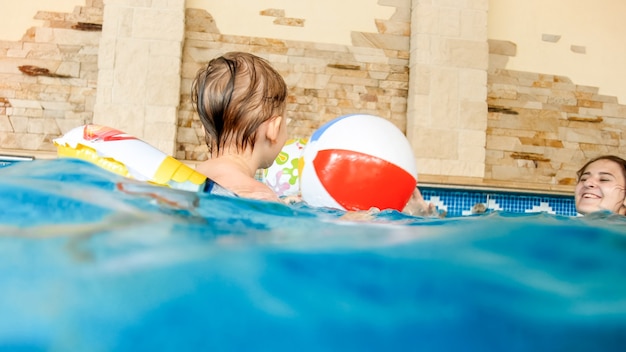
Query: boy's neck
x=243 y=163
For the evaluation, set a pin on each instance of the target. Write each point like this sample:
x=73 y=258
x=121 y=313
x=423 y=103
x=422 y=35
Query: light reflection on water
x=91 y=261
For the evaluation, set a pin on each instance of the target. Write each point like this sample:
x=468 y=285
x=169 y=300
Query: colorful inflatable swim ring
x=283 y=176
x=126 y=155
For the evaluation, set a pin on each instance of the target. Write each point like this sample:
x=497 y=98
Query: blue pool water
x=94 y=262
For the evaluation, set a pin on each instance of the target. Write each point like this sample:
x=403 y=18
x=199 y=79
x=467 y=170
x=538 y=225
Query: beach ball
x=283 y=176
x=356 y=162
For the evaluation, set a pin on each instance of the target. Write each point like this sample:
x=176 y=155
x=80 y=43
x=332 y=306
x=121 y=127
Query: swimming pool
x=92 y=261
x=461 y=201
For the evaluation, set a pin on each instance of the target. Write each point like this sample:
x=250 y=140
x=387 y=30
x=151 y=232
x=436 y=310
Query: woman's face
x=601 y=187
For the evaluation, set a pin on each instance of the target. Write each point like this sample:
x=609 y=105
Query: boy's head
x=233 y=95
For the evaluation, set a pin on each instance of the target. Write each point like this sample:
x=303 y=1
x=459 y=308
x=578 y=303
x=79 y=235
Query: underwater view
x=93 y=261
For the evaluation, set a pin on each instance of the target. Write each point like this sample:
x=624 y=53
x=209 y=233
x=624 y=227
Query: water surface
x=95 y=262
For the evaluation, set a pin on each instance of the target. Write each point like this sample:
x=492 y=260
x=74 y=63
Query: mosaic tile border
x=461 y=202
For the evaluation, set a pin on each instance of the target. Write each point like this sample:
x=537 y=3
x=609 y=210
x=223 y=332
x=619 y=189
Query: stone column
x=447 y=103
x=139 y=68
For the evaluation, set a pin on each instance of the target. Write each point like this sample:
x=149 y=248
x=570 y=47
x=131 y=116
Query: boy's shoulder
x=233 y=178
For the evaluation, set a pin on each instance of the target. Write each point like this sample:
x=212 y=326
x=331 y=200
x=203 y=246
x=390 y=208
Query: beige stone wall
x=425 y=70
x=18 y=16
x=48 y=79
x=542 y=128
x=446 y=107
x=140 y=69
x=579 y=39
x=319 y=21
x=324 y=80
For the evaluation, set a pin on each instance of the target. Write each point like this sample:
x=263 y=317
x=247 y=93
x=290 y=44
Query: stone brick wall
x=139 y=69
x=447 y=108
x=324 y=80
x=539 y=128
x=48 y=79
x=542 y=128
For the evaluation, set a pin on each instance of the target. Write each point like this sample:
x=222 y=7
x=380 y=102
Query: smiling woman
x=602 y=186
x=18 y=17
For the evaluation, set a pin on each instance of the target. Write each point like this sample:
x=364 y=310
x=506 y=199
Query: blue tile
x=458 y=202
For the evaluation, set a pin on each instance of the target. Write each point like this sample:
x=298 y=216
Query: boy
x=241 y=102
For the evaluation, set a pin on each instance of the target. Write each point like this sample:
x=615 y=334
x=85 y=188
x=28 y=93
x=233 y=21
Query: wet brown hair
x=621 y=162
x=233 y=95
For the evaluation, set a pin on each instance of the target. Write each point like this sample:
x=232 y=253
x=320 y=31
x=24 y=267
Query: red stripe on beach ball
x=360 y=181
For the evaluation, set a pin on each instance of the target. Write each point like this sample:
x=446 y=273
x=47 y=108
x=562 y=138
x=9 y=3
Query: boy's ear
x=273 y=128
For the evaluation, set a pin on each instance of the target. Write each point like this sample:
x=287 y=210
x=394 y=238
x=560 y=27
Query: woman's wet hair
x=621 y=162
x=233 y=95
